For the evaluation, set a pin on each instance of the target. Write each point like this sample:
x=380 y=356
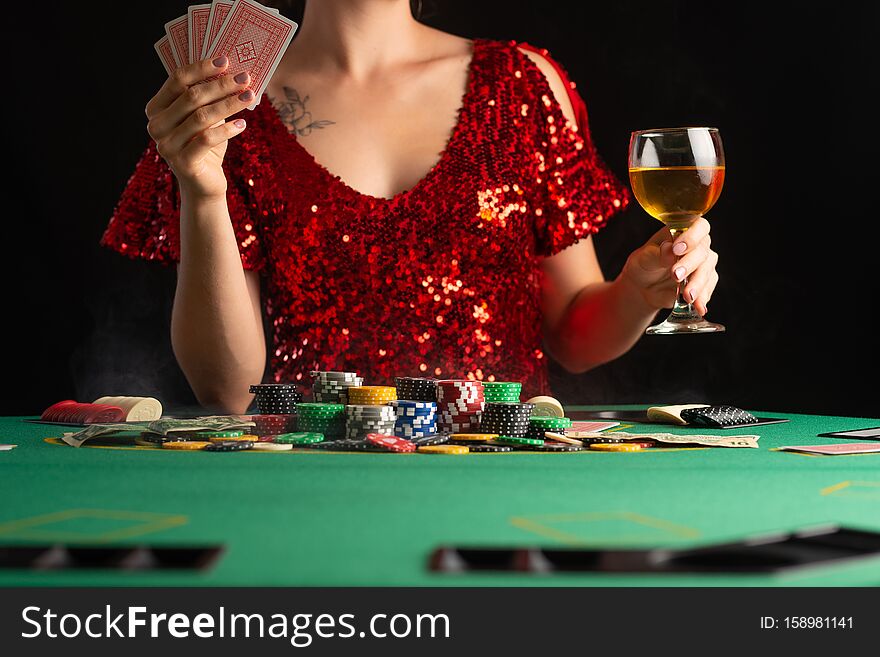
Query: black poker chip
x=436 y=439
x=592 y=441
x=416 y=388
x=229 y=446
x=487 y=448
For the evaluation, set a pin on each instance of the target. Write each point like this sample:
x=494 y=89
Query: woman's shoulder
x=533 y=69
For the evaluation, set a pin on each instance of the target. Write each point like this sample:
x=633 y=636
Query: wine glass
x=676 y=175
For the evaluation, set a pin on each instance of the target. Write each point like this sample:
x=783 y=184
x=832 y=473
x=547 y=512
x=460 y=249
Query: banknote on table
x=161 y=427
x=674 y=439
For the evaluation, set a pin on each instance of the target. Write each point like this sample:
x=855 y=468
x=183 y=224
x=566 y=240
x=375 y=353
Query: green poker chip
x=547 y=422
x=517 y=440
x=207 y=435
x=299 y=438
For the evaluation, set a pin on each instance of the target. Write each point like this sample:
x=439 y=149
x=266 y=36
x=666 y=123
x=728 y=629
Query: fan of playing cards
x=252 y=36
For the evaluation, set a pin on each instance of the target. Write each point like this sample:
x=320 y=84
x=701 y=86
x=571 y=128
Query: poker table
x=308 y=518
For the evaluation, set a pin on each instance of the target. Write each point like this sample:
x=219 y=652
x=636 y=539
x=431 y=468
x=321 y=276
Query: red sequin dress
x=441 y=280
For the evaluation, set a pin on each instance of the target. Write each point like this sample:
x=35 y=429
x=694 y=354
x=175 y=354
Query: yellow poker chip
x=444 y=449
x=473 y=437
x=616 y=447
x=562 y=438
x=246 y=437
x=187 y=445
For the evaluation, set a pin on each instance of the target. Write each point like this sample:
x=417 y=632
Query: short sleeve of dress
x=577 y=192
x=146 y=220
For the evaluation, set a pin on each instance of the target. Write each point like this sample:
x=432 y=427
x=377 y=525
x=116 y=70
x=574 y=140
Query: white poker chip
x=272 y=447
x=546 y=406
x=137 y=409
x=562 y=438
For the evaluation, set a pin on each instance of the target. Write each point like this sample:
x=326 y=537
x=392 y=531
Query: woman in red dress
x=401 y=202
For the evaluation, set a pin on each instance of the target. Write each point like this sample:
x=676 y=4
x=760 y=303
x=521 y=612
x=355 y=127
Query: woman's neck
x=356 y=37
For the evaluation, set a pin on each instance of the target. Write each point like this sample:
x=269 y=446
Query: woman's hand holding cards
x=187 y=120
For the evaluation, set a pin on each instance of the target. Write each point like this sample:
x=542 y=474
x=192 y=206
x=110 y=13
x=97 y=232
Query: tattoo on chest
x=296 y=116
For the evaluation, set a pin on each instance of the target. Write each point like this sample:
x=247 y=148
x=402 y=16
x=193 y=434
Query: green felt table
x=337 y=519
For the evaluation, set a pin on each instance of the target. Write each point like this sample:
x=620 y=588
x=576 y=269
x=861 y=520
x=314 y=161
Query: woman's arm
x=588 y=321
x=216 y=325
x=216 y=329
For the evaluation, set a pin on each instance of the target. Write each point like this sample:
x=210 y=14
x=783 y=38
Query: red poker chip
x=390 y=442
x=55 y=411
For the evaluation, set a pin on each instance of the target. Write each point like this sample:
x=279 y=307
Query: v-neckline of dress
x=438 y=165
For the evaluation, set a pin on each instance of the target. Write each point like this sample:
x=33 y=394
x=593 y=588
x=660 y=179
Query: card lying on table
x=833 y=450
x=254 y=38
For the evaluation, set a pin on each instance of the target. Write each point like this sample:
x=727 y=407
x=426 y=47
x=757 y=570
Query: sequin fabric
x=441 y=280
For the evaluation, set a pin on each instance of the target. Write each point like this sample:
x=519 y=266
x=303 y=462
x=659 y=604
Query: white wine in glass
x=677 y=175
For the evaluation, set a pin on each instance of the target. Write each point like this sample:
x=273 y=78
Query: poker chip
x=299 y=438
x=186 y=445
x=210 y=435
x=443 y=449
x=332 y=387
x=416 y=389
x=362 y=419
x=229 y=446
x=540 y=424
x=427 y=441
x=548 y=406
x=460 y=404
x=276 y=398
x=414 y=418
x=136 y=409
x=615 y=447
x=272 y=447
x=518 y=441
x=370 y=395
x=502 y=391
x=245 y=438
x=562 y=438
x=271 y=424
x=322 y=417
x=478 y=448
x=73 y=412
x=553 y=446
x=507 y=418
x=390 y=442
x=473 y=437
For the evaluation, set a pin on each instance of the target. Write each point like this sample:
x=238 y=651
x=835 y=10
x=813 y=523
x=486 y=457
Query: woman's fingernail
x=220 y=62
x=247 y=96
x=241 y=78
x=240 y=123
x=680 y=248
x=679 y=273
x=692 y=296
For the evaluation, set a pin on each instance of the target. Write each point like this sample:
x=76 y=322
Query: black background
x=788 y=84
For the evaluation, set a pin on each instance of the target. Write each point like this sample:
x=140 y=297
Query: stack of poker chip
x=506 y=418
x=416 y=389
x=415 y=419
x=371 y=395
x=332 y=387
x=502 y=391
x=362 y=419
x=272 y=425
x=459 y=405
x=326 y=419
x=276 y=398
x=540 y=424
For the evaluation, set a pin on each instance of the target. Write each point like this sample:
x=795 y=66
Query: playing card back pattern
x=253 y=37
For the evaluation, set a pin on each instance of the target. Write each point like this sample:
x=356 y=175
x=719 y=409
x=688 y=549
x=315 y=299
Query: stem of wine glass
x=683 y=309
